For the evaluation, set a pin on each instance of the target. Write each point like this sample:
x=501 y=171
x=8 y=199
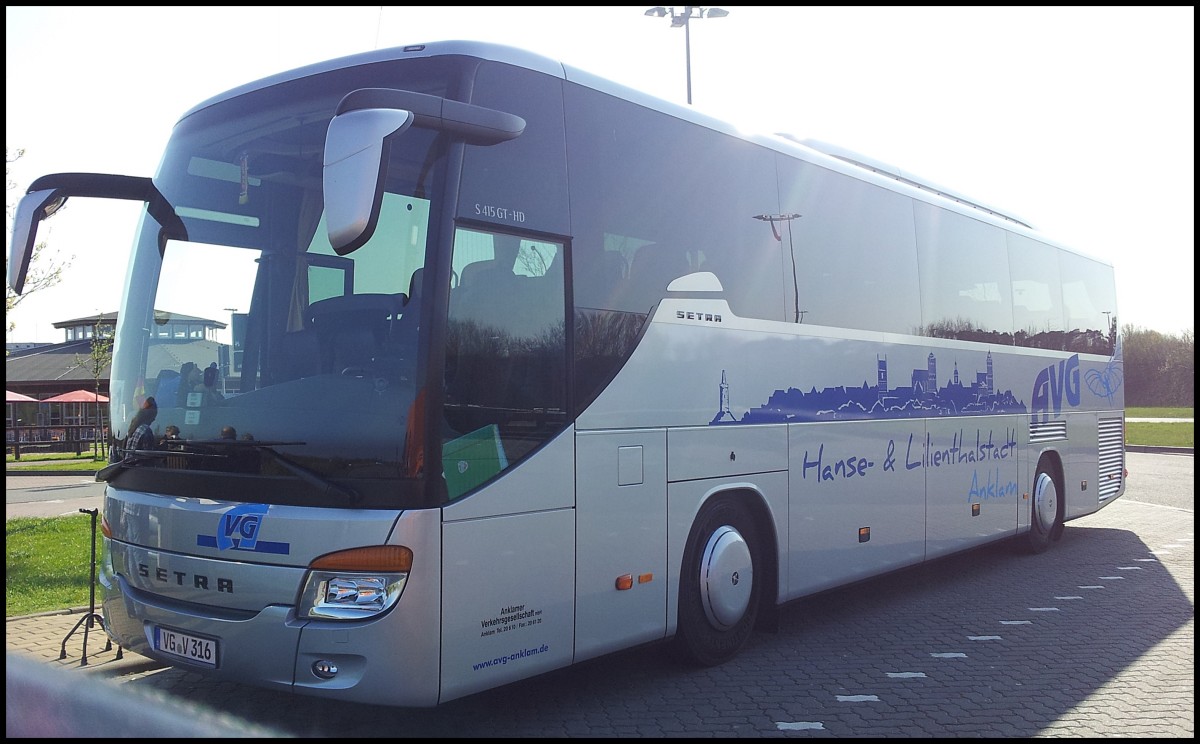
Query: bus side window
x=599 y=279
x=653 y=268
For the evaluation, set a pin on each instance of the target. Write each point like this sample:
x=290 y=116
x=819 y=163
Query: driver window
x=506 y=352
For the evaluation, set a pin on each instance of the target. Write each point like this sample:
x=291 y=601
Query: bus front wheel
x=718 y=594
x=1045 y=518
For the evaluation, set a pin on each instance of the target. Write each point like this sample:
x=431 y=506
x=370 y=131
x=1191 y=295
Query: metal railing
x=75 y=438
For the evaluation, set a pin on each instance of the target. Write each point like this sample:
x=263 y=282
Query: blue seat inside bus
x=398 y=352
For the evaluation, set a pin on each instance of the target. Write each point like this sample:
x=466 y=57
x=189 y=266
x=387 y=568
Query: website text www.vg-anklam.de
x=501 y=660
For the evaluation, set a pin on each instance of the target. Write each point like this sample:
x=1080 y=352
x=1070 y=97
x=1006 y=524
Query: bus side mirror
x=33 y=208
x=355 y=162
x=48 y=194
x=356 y=150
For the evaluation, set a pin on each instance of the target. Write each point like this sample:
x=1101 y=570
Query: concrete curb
x=49 y=613
x=1159 y=450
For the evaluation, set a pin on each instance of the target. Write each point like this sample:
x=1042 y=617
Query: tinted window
x=855 y=254
x=654 y=198
x=521 y=183
x=505 y=354
x=965 y=288
x=1089 y=303
x=1036 y=293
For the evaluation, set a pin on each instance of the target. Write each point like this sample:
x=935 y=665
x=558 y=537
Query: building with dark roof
x=45 y=370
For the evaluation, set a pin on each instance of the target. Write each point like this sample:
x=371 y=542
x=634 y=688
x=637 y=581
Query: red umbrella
x=77 y=396
x=11 y=397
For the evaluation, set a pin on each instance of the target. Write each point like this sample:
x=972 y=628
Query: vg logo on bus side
x=238 y=528
x=1054 y=383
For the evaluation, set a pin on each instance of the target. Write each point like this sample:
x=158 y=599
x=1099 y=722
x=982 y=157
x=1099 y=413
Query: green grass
x=1182 y=434
x=28 y=456
x=59 y=461
x=1160 y=435
x=66 y=466
x=47 y=563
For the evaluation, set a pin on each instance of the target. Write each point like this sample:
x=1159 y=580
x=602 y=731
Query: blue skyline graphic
x=920 y=398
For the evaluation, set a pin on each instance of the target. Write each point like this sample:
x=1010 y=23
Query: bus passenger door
x=621 y=521
x=508 y=575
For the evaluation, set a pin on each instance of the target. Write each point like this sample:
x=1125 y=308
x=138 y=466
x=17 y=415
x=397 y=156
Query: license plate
x=190 y=647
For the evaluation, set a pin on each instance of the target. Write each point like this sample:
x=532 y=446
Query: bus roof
x=817 y=152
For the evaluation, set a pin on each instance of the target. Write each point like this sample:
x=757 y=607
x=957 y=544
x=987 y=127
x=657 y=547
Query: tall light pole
x=232 y=311
x=685 y=19
x=231 y=364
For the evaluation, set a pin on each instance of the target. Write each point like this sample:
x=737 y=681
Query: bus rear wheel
x=718 y=594
x=1045 y=517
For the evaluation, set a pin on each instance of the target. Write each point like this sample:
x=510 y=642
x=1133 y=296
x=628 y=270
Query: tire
x=1045 y=511
x=718 y=594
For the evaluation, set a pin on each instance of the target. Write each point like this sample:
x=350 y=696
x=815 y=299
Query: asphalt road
x=1093 y=638
x=50 y=495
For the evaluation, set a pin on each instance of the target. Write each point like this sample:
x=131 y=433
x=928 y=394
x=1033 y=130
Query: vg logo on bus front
x=238 y=528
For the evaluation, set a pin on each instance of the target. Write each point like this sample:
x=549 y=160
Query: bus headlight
x=354 y=584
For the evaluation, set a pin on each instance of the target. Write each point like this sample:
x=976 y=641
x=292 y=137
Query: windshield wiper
x=110 y=471
x=132 y=457
x=317 y=481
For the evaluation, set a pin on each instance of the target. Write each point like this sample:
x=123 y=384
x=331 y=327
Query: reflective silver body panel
x=159 y=571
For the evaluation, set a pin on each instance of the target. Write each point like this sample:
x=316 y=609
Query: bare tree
x=96 y=364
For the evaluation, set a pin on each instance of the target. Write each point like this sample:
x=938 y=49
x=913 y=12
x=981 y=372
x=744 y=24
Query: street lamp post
x=230 y=363
x=232 y=312
x=772 y=219
x=685 y=19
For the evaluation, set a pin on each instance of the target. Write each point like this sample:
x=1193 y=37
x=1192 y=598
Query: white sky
x=1079 y=120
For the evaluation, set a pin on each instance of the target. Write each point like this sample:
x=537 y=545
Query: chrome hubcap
x=726 y=578
x=1045 y=502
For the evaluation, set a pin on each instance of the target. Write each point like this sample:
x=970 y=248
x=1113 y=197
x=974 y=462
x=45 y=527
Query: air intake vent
x=1112 y=458
x=1047 y=431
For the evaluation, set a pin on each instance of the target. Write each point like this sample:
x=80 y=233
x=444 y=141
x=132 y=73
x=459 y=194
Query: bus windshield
x=262 y=350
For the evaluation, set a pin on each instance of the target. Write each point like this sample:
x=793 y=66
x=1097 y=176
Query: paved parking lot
x=1093 y=638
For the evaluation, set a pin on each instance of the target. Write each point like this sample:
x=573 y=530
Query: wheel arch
x=1053 y=461
x=711 y=614
x=1042 y=528
x=755 y=501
